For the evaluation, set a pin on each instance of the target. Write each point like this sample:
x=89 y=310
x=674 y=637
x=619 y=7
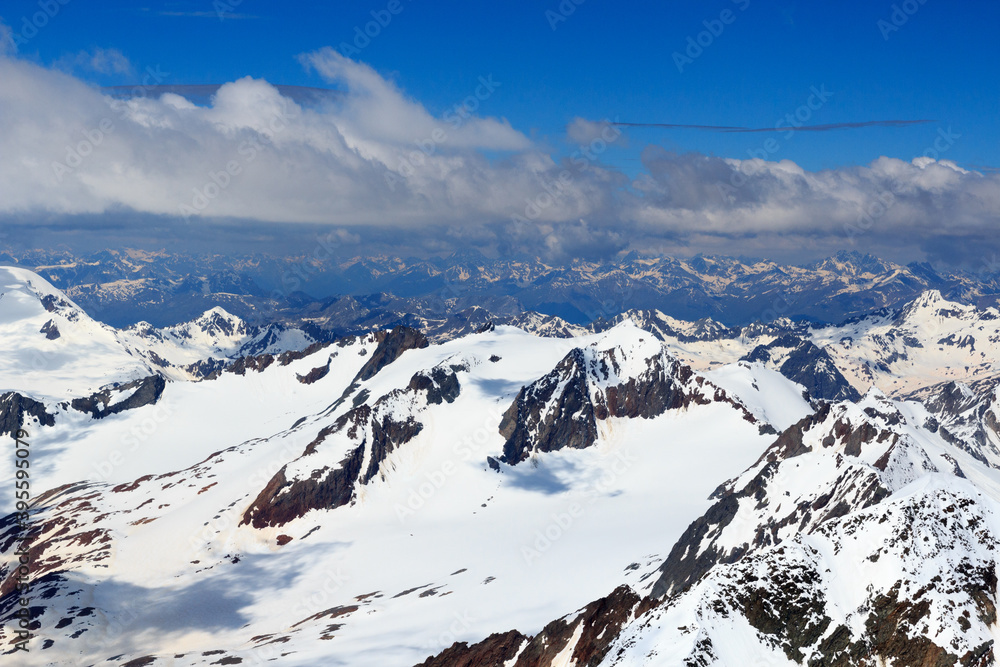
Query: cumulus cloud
x=698 y=193
x=372 y=157
x=369 y=156
x=377 y=111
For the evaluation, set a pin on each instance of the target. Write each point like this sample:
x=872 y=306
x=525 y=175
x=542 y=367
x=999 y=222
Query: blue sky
x=603 y=60
x=386 y=160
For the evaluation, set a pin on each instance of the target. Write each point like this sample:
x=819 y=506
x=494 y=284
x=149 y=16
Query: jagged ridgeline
x=462 y=291
x=505 y=491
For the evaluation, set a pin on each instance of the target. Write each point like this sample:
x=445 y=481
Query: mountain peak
x=32 y=285
x=929 y=297
x=853 y=262
x=930 y=305
x=874 y=397
x=53 y=349
x=218 y=321
x=216 y=312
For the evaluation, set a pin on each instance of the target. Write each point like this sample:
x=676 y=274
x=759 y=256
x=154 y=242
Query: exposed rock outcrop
x=16 y=410
x=586 y=635
x=802 y=361
x=561 y=409
x=143 y=392
x=373 y=431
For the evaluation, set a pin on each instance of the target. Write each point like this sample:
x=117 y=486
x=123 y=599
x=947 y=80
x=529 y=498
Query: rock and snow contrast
x=711 y=291
x=516 y=492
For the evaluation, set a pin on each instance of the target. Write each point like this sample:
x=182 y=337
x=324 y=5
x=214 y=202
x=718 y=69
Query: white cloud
x=374 y=156
x=108 y=61
x=700 y=194
x=375 y=110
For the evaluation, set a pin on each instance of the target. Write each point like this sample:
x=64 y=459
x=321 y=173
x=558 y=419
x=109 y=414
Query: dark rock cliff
x=147 y=391
x=16 y=409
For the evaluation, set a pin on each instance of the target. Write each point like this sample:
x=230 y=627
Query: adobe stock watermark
x=562 y=12
x=560 y=523
x=463 y=451
x=780 y=306
x=131 y=441
x=28 y=30
x=68 y=276
x=363 y=35
x=556 y=189
x=450 y=290
x=224 y=7
x=295 y=276
x=793 y=120
x=22 y=496
x=802 y=115
x=200 y=541
x=247 y=152
x=455 y=117
x=94 y=137
x=989 y=266
x=321 y=598
x=696 y=44
x=115 y=626
x=883 y=202
x=461 y=623
x=607 y=308
x=898 y=17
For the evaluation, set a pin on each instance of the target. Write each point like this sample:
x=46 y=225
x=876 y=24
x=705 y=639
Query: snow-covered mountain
x=922 y=343
x=208 y=342
x=859 y=537
x=643 y=491
x=52 y=348
x=56 y=350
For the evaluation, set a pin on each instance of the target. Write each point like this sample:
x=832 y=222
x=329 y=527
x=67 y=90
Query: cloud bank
x=371 y=157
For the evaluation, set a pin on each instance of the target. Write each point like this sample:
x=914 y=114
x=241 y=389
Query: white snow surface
x=555 y=532
x=931 y=340
x=143 y=516
x=86 y=355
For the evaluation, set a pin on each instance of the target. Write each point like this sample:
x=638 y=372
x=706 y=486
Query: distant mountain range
x=351 y=295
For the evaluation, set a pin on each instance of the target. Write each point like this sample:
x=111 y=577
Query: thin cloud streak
x=825 y=127
x=207 y=15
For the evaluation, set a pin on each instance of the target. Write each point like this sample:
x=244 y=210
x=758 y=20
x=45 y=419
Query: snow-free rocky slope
x=647 y=492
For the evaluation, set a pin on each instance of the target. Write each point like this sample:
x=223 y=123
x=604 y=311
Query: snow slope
x=873 y=546
x=480 y=547
x=52 y=348
x=926 y=342
x=379 y=500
